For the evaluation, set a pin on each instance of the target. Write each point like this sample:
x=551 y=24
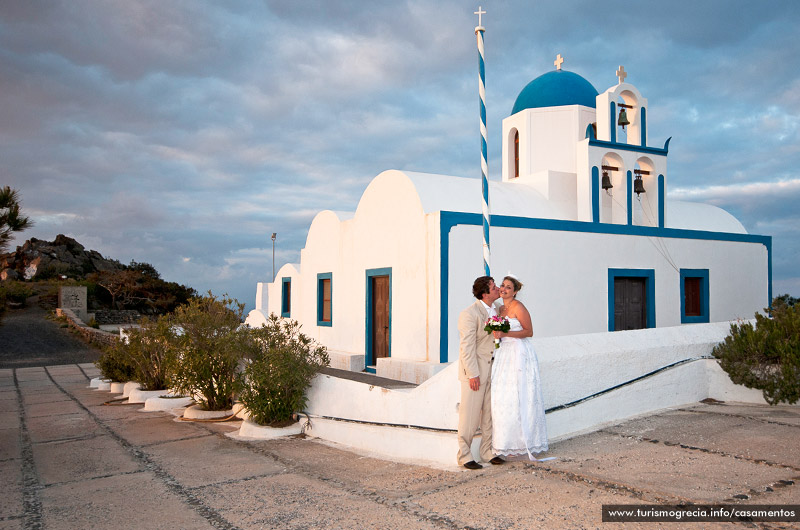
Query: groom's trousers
x=476 y=410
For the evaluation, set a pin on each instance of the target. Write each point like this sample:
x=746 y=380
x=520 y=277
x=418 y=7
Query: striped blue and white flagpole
x=484 y=165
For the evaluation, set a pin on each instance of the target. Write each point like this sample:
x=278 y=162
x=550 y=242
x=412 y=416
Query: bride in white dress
x=518 y=422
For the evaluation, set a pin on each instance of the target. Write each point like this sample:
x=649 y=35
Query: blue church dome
x=555 y=89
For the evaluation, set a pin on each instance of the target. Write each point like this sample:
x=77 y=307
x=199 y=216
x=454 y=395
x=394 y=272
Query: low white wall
x=431 y=404
x=353 y=362
x=576 y=366
x=572 y=368
x=410 y=371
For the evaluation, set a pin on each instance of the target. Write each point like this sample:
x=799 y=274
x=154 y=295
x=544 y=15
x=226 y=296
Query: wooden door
x=380 y=317
x=630 y=303
x=691 y=292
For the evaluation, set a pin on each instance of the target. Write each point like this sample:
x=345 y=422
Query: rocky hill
x=41 y=260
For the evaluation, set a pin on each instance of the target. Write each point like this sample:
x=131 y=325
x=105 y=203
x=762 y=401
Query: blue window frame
x=650 y=292
x=325 y=299
x=694 y=296
x=286 y=297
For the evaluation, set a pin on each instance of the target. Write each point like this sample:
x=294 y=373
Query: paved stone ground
x=28 y=338
x=68 y=461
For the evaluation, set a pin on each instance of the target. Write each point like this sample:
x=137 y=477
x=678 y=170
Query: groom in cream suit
x=475 y=371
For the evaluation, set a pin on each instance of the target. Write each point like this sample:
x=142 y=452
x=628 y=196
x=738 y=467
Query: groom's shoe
x=473 y=465
x=496 y=461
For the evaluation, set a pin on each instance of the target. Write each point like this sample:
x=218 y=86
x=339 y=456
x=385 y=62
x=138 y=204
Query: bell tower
x=624 y=180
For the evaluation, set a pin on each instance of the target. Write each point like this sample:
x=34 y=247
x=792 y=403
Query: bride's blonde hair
x=515 y=282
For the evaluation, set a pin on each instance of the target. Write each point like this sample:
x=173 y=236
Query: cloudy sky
x=183 y=133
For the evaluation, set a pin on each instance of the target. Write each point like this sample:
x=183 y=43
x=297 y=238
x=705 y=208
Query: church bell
x=606 y=181
x=623 y=118
x=638 y=186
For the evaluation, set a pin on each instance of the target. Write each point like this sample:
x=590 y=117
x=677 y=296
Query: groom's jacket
x=475 y=343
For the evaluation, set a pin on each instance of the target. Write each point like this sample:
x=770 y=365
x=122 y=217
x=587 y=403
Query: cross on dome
x=558 y=62
x=479 y=13
x=622 y=74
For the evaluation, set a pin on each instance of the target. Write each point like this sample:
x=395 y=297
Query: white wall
x=547 y=139
x=389 y=230
x=565 y=275
x=572 y=368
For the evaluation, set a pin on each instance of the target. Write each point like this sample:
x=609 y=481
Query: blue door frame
x=370 y=356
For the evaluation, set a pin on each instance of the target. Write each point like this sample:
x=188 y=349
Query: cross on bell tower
x=621 y=74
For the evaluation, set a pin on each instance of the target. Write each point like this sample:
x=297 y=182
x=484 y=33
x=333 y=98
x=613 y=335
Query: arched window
x=516 y=154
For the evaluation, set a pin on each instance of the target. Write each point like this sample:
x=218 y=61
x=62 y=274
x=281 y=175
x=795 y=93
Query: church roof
x=459 y=194
x=700 y=216
x=437 y=193
x=555 y=89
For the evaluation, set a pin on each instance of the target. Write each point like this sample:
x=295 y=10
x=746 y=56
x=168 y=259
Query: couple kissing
x=500 y=389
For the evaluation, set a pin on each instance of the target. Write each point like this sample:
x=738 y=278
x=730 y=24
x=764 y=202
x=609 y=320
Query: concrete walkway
x=68 y=461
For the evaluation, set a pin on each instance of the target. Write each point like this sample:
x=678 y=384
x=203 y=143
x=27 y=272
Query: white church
x=581 y=216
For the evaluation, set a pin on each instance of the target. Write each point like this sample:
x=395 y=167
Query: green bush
x=148 y=351
x=54 y=270
x=16 y=292
x=766 y=356
x=282 y=363
x=115 y=364
x=785 y=299
x=207 y=350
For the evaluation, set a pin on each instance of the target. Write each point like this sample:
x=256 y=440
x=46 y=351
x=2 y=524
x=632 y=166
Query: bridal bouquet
x=496 y=323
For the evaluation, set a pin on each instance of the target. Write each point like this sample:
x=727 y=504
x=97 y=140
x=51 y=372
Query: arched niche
x=629 y=101
x=623 y=96
x=645 y=205
x=612 y=201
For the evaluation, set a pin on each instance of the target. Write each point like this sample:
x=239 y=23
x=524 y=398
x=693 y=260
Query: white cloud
x=749 y=190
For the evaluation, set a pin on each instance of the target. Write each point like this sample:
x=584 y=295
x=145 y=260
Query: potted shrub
x=283 y=361
x=148 y=349
x=115 y=365
x=207 y=350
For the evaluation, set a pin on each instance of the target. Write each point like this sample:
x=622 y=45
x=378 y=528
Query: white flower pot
x=196 y=413
x=138 y=395
x=241 y=412
x=130 y=385
x=117 y=388
x=97 y=381
x=262 y=432
x=168 y=402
